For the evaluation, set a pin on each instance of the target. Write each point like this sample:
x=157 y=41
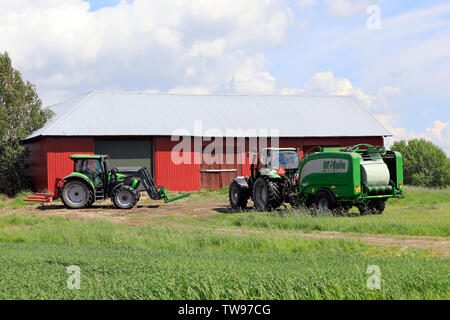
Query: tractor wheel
x=379 y=207
x=76 y=195
x=266 y=194
x=344 y=210
x=238 y=196
x=324 y=202
x=124 y=197
x=138 y=196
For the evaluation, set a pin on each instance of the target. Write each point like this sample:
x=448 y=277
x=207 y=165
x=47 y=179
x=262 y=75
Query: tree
x=425 y=164
x=20 y=115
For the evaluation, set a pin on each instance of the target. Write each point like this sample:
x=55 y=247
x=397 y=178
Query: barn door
x=219 y=175
x=126 y=153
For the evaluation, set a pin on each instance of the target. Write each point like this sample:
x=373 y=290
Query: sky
x=392 y=55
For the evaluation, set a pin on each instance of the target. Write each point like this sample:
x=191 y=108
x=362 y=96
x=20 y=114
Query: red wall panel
x=58 y=151
x=183 y=177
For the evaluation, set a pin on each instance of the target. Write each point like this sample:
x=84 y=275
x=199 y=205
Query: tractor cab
x=93 y=166
x=275 y=162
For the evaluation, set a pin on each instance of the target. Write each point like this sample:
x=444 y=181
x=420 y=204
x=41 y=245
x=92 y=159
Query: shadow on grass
x=45 y=207
x=289 y=212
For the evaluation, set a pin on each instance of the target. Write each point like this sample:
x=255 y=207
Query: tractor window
x=98 y=167
x=78 y=166
x=91 y=168
x=286 y=159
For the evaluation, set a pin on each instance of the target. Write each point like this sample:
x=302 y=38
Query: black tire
x=324 y=202
x=364 y=210
x=238 y=196
x=266 y=194
x=138 y=196
x=124 y=197
x=76 y=195
x=379 y=207
x=373 y=207
x=344 y=209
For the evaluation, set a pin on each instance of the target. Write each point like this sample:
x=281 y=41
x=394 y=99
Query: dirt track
x=151 y=213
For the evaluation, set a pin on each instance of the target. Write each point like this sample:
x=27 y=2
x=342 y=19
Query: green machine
x=340 y=178
x=91 y=180
x=331 y=179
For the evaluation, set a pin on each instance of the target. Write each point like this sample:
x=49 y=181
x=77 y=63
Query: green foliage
x=20 y=115
x=426 y=164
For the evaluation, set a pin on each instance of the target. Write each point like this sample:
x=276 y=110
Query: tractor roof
x=87 y=156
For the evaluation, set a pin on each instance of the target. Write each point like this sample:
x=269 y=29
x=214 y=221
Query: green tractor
x=272 y=181
x=91 y=180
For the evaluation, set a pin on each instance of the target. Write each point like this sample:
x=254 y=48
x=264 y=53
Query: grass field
x=254 y=259
x=423 y=212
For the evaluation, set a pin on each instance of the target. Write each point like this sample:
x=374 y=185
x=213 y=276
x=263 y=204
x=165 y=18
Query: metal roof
x=101 y=113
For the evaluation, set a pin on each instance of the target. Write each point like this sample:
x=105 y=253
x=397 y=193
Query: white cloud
x=346 y=8
x=327 y=83
x=61 y=45
x=304 y=4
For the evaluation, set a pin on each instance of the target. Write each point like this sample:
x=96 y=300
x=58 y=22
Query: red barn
x=139 y=129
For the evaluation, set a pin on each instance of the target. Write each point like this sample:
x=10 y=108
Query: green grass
x=119 y=262
x=14 y=202
x=423 y=212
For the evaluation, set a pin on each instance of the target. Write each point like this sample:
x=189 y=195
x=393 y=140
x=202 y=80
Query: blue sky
x=99 y=4
x=399 y=70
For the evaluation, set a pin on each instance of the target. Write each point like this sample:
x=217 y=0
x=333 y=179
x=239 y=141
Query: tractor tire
x=138 y=196
x=343 y=210
x=266 y=194
x=238 y=196
x=76 y=195
x=379 y=207
x=324 y=202
x=124 y=197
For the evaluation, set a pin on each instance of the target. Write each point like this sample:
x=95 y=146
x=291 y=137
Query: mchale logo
x=333 y=165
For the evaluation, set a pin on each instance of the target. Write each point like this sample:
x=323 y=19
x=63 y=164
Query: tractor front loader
x=91 y=181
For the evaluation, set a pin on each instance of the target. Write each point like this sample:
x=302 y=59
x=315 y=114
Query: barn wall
x=59 y=149
x=50 y=159
x=184 y=177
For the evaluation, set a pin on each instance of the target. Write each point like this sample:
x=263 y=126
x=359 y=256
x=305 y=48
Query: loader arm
x=154 y=192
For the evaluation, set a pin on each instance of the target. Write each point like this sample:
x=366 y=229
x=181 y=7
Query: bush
x=20 y=115
x=426 y=165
